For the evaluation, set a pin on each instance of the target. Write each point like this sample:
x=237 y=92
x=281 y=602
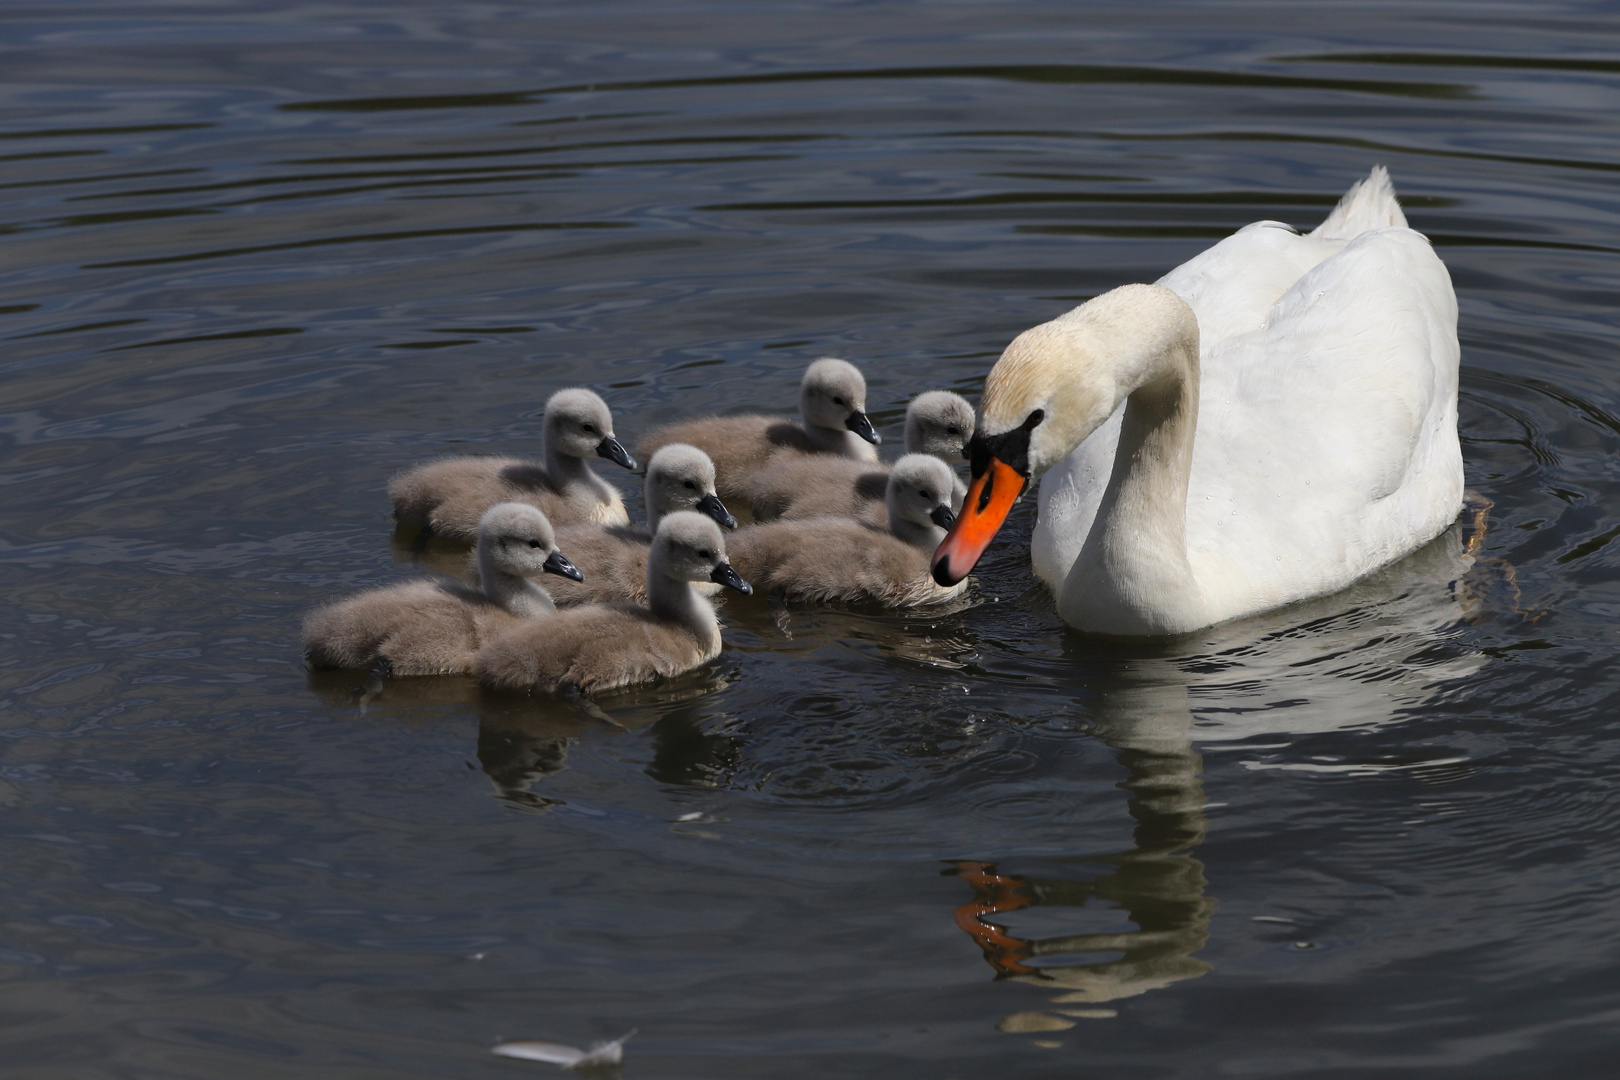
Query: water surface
x=259 y=256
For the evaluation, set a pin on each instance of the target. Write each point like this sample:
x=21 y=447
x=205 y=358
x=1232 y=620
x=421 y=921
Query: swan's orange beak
x=989 y=500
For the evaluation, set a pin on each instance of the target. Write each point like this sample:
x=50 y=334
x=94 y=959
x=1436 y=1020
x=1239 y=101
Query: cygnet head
x=579 y=425
x=516 y=539
x=939 y=423
x=919 y=492
x=689 y=547
x=833 y=395
x=681 y=477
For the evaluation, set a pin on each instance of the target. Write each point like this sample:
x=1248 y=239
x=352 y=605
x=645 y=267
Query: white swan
x=1274 y=419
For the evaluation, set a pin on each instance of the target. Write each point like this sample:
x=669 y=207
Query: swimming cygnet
x=448 y=495
x=795 y=486
x=832 y=406
x=603 y=646
x=614 y=558
x=433 y=627
x=845 y=559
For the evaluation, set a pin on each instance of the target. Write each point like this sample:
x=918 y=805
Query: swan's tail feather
x=1369 y=204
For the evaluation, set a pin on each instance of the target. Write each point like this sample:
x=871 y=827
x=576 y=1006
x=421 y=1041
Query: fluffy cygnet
x=832 y=406
x=603 y=646
x=845 y=559
x=614 y=558
x=796 y=486
x=433 y=627
x=450 y=494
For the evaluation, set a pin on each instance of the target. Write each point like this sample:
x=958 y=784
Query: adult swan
x=1271 y=421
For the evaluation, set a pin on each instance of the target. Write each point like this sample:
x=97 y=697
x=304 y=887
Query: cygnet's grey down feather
x=796 y=486
x=842 y=559
x=938 y=423
x=832 y=408
x=450 y=494
x=434 y=627
x=604 y=646
x=420 y=627
x=614 y=558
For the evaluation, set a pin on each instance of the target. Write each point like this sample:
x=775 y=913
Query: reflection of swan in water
x=1158 y=883
x=1360 y=659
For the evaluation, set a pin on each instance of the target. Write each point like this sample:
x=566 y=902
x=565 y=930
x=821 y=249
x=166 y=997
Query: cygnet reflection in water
x=518 y=747
x=525 y=741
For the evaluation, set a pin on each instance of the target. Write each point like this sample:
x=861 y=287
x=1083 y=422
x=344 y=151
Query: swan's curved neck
x=1139 y=344
x=513 y=592
x=1137 y=578
x=675 y=600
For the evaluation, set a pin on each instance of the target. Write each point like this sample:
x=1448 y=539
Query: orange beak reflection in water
x=990 y=498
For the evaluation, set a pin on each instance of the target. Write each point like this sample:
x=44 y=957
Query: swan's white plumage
x=1326 y=442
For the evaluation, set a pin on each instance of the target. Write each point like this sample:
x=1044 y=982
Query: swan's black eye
x=534 y=543
x=590 y=428
x=1034 y=418
x=953 y=431
x=838 y=401
x=691 y=486
x=927 y=496
x=705 y=554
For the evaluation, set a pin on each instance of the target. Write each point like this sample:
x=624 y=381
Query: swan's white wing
x=1327 y=437
x=1231 y=288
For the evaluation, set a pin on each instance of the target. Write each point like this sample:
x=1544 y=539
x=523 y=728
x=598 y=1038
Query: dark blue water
x=256 y=257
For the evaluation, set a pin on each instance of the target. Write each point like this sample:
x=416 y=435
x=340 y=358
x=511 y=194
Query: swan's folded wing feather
x=1233 y=285
x=1327 y=439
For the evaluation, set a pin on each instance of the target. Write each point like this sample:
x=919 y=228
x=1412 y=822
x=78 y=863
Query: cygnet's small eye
x=927 y=496
x=705 y=553
x=838 y=401
x=953 y=430
x=589 y=428
x=690 y=486
x=534 y=543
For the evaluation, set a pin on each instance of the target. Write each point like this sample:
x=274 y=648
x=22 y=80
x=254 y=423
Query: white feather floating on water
x=569 y=1057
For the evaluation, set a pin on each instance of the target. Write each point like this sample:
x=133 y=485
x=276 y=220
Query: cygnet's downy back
x=832 y=421
x=842 y=559
x=449 y=495
x=603 y=646
x=433 y=627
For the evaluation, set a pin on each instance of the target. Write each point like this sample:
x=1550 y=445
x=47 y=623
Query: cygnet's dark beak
x=710 y=504
x=610 y=449
x=557 y=563
x=943 y=516
x=725 y=575
x=861 y=424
